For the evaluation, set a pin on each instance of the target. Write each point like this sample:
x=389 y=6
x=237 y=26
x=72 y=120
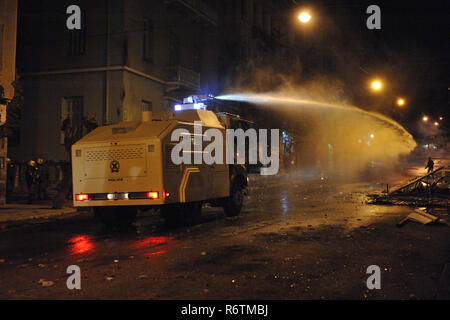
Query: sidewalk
x=15 y=213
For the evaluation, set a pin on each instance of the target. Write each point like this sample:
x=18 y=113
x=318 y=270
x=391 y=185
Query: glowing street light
x=376 y=85
x=436 y=123
x=441 y=118
x=425 y=119
x=304 y=17
x=400 y=102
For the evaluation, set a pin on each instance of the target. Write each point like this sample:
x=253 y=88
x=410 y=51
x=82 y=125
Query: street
x=297 y=238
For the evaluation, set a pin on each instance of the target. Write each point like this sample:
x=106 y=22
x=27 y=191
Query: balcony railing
x=180 y=76
x=202 y=8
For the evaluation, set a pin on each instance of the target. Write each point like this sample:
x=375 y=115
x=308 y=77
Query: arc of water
x=263 y=98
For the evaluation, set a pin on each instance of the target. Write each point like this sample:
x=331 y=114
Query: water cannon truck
x=120 y=168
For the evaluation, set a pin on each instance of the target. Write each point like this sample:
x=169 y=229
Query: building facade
x=128 y=57
x=8 y=28
x=134 y=55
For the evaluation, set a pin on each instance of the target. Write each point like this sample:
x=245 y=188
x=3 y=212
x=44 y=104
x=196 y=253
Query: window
x=72 y=117
x=256 y=15
x=76 y=39
x=243 y=53
x=197 y=58
x=274 y=31
x=268 y=23
x=174 y=49
x=234 y=14
x=244 y=9
x=148 y=40
x=1 y=47
x=147 y=106
x=264 y=20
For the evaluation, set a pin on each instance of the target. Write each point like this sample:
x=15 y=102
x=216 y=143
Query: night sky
x=410 y=52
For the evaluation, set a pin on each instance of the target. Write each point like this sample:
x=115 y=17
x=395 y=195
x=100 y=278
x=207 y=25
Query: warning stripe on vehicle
x=184 y=182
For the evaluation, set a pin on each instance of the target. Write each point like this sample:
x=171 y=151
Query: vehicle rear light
x=153 y=195
x=81 y=197
x=166 y=194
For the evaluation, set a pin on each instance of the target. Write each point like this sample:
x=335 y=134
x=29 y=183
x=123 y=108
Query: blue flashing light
x=196 y=102
x=190 y=106
x=189 y=99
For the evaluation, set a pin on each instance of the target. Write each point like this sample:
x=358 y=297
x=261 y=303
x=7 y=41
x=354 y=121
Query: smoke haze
x=331 y=135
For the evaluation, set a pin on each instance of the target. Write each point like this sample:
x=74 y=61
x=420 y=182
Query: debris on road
x=419 y=215
x=430 y=190
x=46 y=283
x=423 y=184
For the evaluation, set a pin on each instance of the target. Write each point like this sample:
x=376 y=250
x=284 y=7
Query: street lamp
x=304 y=17
x=400 y=102
x=424 y=118
x=376 y=85
x=436 y=123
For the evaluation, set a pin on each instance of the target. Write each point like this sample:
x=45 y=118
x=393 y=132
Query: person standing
x=42 y=179
x=31 y=176
x=90 y=123
x=430 y=165
x=65 y=185
x=70 y=131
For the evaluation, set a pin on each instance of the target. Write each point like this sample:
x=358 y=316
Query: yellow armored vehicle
x=118 y=169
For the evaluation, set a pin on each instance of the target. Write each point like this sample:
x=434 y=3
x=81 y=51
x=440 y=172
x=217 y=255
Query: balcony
x=178 y=77
x=259 y=33
x=201 y=8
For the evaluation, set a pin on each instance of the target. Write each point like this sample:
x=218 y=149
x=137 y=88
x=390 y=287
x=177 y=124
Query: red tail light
x=166 y=194
x=153 y=195
x=81 y=197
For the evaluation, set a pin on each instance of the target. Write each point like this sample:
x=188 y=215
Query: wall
x=8 y=20
x=8 y=29
x=138 y=88
x=41 y=116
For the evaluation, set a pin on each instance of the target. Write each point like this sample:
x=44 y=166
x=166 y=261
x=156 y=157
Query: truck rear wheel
x=115 y=216
x=182 y=213
x=235 y=201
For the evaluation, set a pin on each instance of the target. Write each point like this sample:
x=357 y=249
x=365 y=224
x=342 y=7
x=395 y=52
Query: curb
x=35 y=216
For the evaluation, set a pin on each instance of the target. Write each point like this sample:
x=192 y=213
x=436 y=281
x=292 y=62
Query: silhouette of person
x=430 y=165
x=70 y=132
x=31 y=176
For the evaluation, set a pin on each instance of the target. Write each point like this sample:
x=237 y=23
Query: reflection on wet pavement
x=80 y=244
x=153 y=245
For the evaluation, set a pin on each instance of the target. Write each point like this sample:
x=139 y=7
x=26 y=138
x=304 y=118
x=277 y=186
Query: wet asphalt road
x=295 y=239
